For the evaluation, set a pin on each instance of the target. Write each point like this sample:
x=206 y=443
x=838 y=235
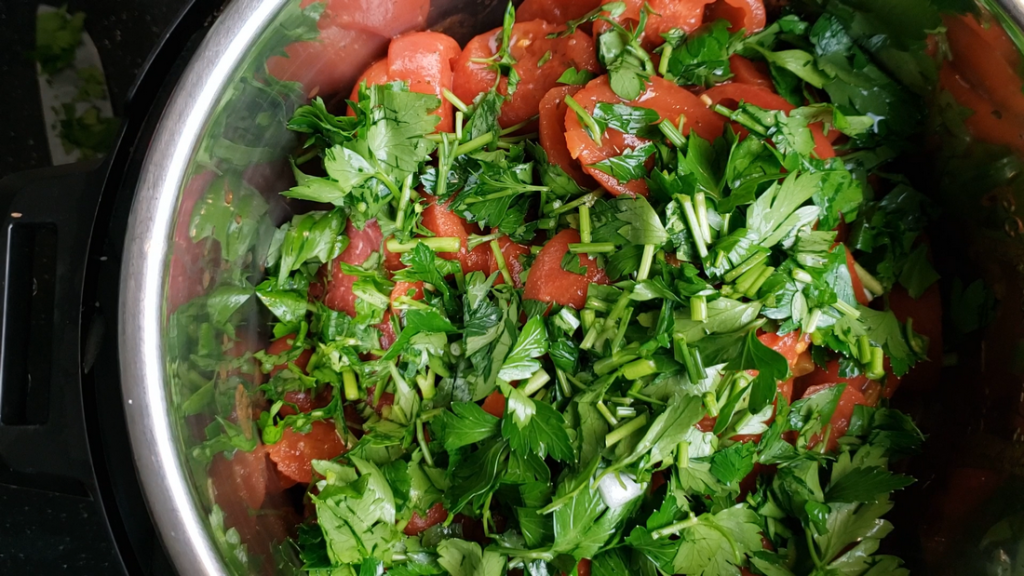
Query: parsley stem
x=585 y=231
x=625 y=412
x=474 y=144
x=536 y=382
x=563 y=382
x=766 y=273
x=624 y=430
x=547 y=223
x=606 y=365
x=666 y=55
x=307 y=157
x=348 y=378
x=455 y=100
x=673 y=529
x=587 y=199
x=812 y=321
x=620 y=334
x=460 y=118
x=592 y=248
x=638 y=369
x=811 y=547
x=673 y=134
x=694 y=369
x=426 y=384
x=519 y=138
x=711 y=404
x=645 y=262
x=502 y=265
x=517 y=127
x=591 y=338
x=585 y=119
x=510 y=192
x=811 y=260
x=701 y=206
x=422 y=440
x=403 y=202
x=694 y=225
x=476 y=240
x=869 y=281
x=747 y=279
x=683 y=455
x=699 y=308
x=437 y=244
x=757 y=258
x=726 y=218
x=801 y=276
x=876 y=368
x=846 y=309
x=863 y=349
x=588 y=315
x=612 y=421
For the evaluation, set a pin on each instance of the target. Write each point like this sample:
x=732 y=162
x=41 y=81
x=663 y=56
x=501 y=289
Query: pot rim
x=169 y=494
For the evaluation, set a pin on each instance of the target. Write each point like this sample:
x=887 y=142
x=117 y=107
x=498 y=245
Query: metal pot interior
x=224 y=130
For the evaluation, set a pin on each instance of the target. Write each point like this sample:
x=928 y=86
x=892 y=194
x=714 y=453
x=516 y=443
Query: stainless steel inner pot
x=211 y=91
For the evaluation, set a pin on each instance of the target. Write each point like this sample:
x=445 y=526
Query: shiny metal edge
x=1014 y=9
x=179 y=521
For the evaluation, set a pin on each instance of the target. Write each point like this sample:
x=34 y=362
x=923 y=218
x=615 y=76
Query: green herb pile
x=598 y=454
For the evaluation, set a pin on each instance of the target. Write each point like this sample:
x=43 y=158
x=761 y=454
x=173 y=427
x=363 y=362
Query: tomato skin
x=554 y=11
x=403 y=288
x=764 y=97
x=387 y=331
x=552 y=133
x=858 y=285
x=338 y=293
x=830 y=375
x=293 y=452
x=418 y=524
x=240 y=481
x=840 y=421
x=667 y=14
x=387 y=19
x=330 y=64
x=669 y=100
x=511 y=252
x=547 y=281
x=791 y=345
x=988 y=123
x=926 y=313
x=745 y=71
x=583 y=568
x=494 y=404
x=529 y=43
x=446 y=224
x=187 y=266
x=424 y=61
x=973 y=59
x=748 y=15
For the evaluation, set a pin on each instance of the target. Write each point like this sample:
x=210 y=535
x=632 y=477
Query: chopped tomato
x=331 y=63
x=830 y=375
x=240 y=481
x=495 y=404
x=731 y=94
x=387 y=19
x=338 y=291
x=293 y=452
x=752 y=73
x=669 y=100
x=530 y=46
x=284 y=344
x=994 y=78
x=790 y=345
x=665 y=15
x=840 y=421
x=862 y=296
x=403 y=288
x=512 y=252
x=552 y=133
x=305 y=400
x=748 y=15
x=424 y=61
x=555 y=11
x=548 y=282
x=446 y=224
x=988 y=123
x=583 y=568
x=392 y=260
x=926 y=315
x=417 y=524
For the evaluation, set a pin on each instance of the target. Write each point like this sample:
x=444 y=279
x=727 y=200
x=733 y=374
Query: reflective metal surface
x=213 y=124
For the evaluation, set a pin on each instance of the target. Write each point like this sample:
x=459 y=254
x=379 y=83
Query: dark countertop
x=124 y=32
x=42 y=532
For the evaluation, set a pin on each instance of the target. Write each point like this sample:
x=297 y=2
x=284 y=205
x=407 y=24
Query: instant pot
x=88 y=404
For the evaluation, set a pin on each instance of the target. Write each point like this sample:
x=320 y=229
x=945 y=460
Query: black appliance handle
x=47 y=217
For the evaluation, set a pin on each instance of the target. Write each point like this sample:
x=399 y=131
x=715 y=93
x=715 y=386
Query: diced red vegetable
x=495 y=404
x=417 y=524
x=387 y=19
x=338 y=291
x=748 y=15
x=753 y=73
x=548 y=282
x=555 y=11
x=840 y=421
x=294 y=452
x=540 y=61
x=669 y=100
x=686 y=15
x=552 y=133
x=446 y=224
x=331 y=63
